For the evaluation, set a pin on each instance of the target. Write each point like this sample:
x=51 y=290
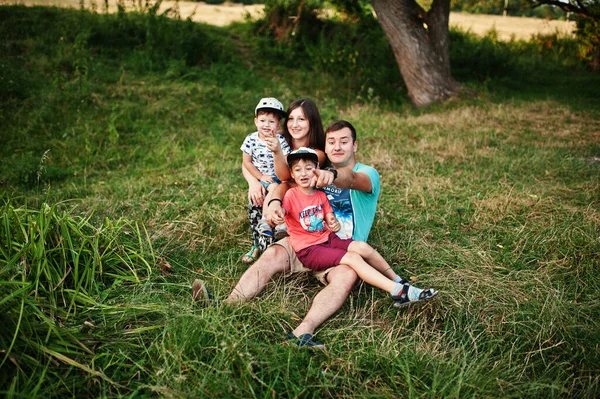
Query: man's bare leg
x=274 y=260
x=329 y=300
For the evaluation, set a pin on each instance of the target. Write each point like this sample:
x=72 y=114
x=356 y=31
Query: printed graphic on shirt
x=341 y=203
x=311 y=218
x=262 y=157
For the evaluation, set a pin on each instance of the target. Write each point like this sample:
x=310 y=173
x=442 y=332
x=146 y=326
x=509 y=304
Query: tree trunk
x=419 y=40
x=596 y=59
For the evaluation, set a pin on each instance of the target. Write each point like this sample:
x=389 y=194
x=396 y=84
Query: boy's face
x=267 y=124
x=340 y=148
x=302 y=172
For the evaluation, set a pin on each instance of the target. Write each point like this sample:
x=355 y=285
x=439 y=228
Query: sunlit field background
x=221 y=15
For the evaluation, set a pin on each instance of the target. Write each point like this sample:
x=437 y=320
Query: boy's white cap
x=303 y=153
x=270 y=104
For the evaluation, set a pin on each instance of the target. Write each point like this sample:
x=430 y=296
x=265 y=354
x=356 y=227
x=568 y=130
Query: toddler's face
x=266 y=124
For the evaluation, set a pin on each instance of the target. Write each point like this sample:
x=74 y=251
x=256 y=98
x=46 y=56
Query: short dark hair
x=307 y=154
x=339 y=125
x=295 y=161
x=267 y=111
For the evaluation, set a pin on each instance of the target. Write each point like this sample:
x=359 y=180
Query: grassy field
x=120 y=183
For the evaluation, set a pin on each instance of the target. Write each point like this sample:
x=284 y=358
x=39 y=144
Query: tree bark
x=596 y=60
x=419 y=40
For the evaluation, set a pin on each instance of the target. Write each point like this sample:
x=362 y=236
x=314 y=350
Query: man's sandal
x=252 y=255
x=200 y=292
x=402 y=300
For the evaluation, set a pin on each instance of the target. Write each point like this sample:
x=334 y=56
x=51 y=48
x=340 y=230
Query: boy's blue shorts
x=266 y=185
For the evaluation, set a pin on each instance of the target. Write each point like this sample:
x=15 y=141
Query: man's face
x=339 y=147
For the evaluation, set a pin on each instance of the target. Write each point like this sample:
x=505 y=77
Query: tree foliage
x=587 y=14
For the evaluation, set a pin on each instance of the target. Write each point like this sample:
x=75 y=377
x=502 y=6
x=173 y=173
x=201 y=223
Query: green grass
x=120 y=180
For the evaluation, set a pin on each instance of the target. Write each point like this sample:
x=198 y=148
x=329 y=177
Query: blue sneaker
x=305 y=340
x=265 y=229
x=403 y=300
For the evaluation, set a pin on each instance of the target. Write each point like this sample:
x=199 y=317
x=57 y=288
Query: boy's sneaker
x=305 y=340
x=280 y=232
x=403 y=300
x=265 y=229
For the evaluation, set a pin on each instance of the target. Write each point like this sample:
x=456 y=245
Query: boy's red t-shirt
x=305 y=218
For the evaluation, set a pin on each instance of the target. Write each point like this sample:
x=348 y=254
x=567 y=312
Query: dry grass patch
x=546 y=124
x=206 y=228
x=464 y=118
x=541 y=119
x=378 y=154
x=498 y=206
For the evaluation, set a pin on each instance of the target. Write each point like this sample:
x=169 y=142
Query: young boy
x=310 y=220
x=259 y=162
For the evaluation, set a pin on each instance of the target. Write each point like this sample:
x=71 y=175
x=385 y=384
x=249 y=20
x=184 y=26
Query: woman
x=302 y=127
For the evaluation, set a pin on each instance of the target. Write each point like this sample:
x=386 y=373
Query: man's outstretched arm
x=346 y=178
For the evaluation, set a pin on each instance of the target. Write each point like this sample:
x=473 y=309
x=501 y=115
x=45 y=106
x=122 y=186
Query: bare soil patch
x=221 y=15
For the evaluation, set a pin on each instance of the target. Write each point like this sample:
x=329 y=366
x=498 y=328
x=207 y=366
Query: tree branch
x=580 y=8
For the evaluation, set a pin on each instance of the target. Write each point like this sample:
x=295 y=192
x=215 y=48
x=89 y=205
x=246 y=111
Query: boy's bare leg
x=274 y=260
x=367 y=272
x=373 y=258
x=329 y=300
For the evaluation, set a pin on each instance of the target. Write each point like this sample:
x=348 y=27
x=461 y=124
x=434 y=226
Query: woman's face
x=297 y=124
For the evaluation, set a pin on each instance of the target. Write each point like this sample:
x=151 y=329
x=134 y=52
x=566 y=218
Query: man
x=353 y=190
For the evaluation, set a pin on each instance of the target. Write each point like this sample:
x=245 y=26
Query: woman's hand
x=267 y=179
x=256 y=193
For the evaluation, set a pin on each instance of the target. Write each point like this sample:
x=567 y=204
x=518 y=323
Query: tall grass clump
x=54 y=269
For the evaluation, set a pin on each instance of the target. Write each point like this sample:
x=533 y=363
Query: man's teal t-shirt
x=355 y=210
